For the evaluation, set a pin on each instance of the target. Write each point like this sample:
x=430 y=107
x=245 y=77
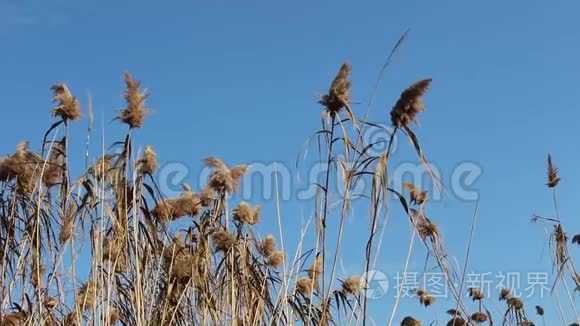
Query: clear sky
x=240 y=80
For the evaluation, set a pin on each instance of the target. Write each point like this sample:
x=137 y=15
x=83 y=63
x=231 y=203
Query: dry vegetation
x=217 y=271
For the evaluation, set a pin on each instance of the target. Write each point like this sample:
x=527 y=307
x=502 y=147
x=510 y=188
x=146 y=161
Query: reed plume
x=188 y=203
x=479 y=317
x=147 y=164
x=135 y=111
x=68 y=107
x=338 y=95
x=223 y=178
x=553 y=178
x=410 y=321
x=418 y=196
x=352 y=285
x=223 y=240
x=410 y=104
x=246 y=214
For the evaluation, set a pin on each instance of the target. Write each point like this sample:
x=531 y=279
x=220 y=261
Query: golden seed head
x=352 y=285
x=410 y=321
x=51 y=302
x=268 y=246
x=338 y=94
x=515 y=303
x=457 y=321
x=305 y=286
x=135 y=111
x=223 y=178
x=417 y=196
x=424 y=298
x=505 y=294
x=553 y=178
x=475 y=294
x=246 y=214
x=67 y=229
x=147 y=164
x=187 y=204
x=479 y=317
x=223 y=240
x=316 y=269
x=87 y=295
x=114 y=316
x=68 y=107
x=276 y=259
x=409 y=104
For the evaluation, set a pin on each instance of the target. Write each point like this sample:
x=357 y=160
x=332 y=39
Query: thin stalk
x=398 y=298
x=325 y=203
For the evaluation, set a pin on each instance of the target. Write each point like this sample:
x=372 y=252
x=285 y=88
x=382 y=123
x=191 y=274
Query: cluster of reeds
x=102 y=248
x=137 y=271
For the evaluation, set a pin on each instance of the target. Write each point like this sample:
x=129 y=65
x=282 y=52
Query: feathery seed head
x=188 y=203
x=135 y=112
x=515 y=303
x=246 y=214
x=479 y=317
x=505 y=294
x=223 y=178
x=50 y=303
x=475 y=294
x=68 y=107
x=276 y=259
x=457 y=321
x=305 y=286
x=147 y=164
x=410 y=321
x=114 y=316
x=100 y=170
x=553 y=178
x=67 y=229
x=87 y=295
x=223 y=240
x=426 y=300
x=352 y=285
x=268 y=246
x=409 y=104
x=453 y=312
x=417 y=196
x=316 y=269
x=338 y=94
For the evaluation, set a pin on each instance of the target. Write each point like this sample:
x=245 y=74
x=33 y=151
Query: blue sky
x=241 y=81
